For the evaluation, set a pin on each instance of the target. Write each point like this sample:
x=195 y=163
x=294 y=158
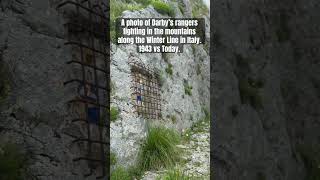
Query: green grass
x=159 y=149
x=12 y=162
x=187 y=89
x=174 y=174
x=199 y=9
x=169 y=69
x=114 y=114
x=117 y=7
x=113 y=159
x=163 y=8
x=120 y=173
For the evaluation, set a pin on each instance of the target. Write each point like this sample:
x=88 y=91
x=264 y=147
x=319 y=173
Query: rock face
x=265 y=79
x=190 y=67
x=34 y=113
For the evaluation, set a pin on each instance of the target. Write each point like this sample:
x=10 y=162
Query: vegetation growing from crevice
x=199 y=9
x=159 y=149
x=12 y=162
x=114 y=114
x=169 y=69
x=311 y=158
x=187 y=88
x=113 y=159
x=173 y=119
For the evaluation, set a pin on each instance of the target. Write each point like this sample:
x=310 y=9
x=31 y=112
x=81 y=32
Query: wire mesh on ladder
x=88 y=39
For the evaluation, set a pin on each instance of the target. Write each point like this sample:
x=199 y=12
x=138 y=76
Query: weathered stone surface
x=266 y=42
x=129 y=130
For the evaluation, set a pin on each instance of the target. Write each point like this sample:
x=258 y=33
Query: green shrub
x=114 y=114
x=163 y=8
x=174 y=174
x=120 y=174
x=12 y=162
x=169 y=69
x=159 y=149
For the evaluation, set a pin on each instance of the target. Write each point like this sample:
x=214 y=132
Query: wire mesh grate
x=88 y=38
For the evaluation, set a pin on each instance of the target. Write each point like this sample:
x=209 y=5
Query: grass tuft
x=159 y=149
x=120 y=174
x=114 y=114
x=187 y=89
x=113 y=159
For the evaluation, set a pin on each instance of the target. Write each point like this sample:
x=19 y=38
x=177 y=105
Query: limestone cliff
x=265 y=80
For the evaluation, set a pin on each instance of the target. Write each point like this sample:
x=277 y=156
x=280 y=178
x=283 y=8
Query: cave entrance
x=146 y=91
x=88 y=40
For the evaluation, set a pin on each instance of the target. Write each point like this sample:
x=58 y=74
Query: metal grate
x=88 y=38
x=146 y=91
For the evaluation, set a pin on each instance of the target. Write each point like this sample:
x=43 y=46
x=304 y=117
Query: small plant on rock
x=188 y=89
x=169 y=69
x=114 y=114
